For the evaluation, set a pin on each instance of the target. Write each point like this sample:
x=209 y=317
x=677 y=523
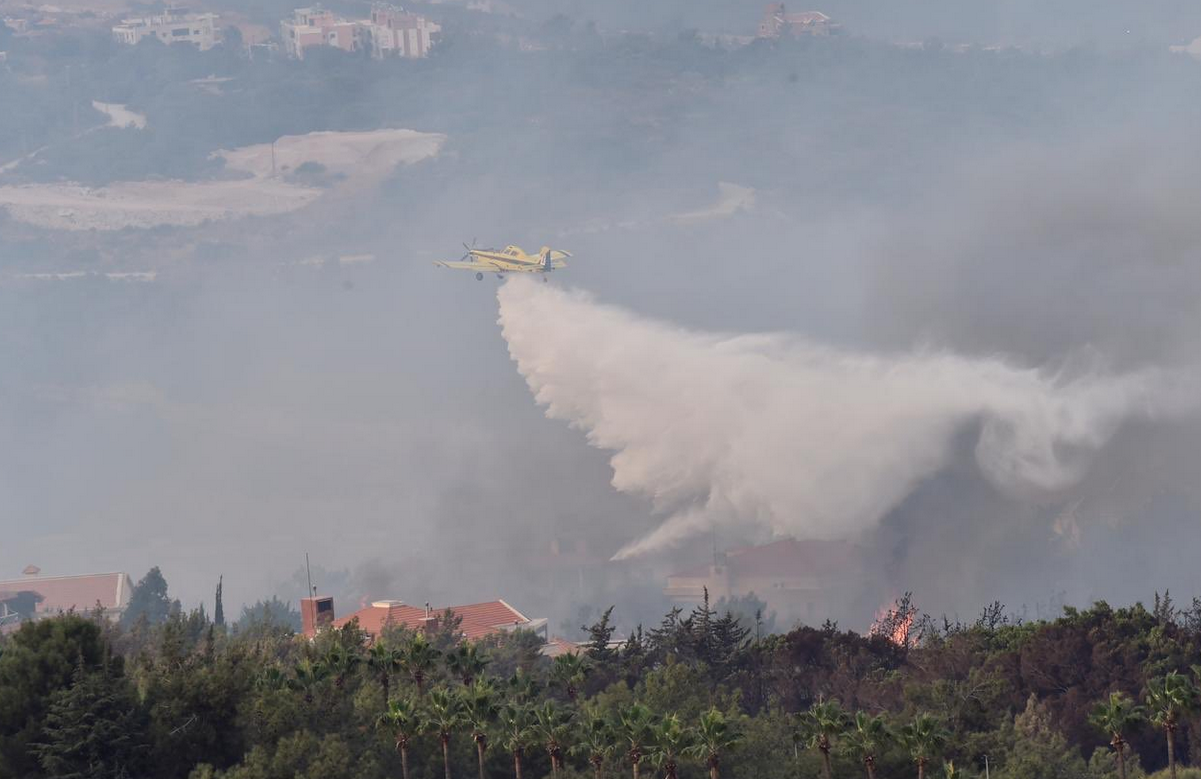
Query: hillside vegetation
x=173 y=694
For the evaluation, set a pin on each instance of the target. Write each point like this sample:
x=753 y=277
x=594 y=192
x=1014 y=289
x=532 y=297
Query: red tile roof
x=81 y=593
x=479 y=619
x=560 y=646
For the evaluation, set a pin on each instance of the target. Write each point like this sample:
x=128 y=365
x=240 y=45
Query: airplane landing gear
x=479 y=277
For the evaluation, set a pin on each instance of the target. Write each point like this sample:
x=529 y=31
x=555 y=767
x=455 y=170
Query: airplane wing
x=475 y=266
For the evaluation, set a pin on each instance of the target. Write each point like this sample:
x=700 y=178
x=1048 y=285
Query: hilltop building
x=175 y=25
x=317 y=27
x=390 y=32
x=794 y=578
x=394 y=32
x=478 y=619
x=34 y=596
x=777 y=22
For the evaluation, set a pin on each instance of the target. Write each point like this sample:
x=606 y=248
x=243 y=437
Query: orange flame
x=894 y=623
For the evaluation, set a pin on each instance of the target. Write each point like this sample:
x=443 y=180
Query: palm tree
x=384 y=660
x=713 y=740
x=670 y=741
x=569 y=670
x=1168 y=699
x=308 y=676
x=479 y=710
x=521 y=687
x=553 y=728
x=1115 y=717
x=341 y=662
x=404 y=719
x=516 y=732
x=418 y=657
x=272 y=678
x=465 y=663
x=443 y=715
x=637 y=732
x=596 y=742
x=824 y=722
x=922 y=738
x=865 y=738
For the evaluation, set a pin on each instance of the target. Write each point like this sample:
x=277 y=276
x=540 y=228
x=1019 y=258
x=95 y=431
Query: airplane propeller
x=469 y=249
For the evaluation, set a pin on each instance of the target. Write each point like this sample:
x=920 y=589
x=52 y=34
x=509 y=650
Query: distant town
x=390 y=31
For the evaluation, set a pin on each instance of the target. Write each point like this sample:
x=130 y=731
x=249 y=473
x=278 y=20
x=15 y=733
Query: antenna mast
x=308 y=572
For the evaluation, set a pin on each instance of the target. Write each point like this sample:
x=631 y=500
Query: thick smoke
x=787 y=437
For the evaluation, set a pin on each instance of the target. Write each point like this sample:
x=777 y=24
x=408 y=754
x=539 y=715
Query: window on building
x=179 y=32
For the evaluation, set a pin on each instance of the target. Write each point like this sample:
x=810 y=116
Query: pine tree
x=702 y=619
x=149 y=598
x=729 y=640
x=37 y=661
x=600 y=634
x=672 y=637
x=218 y=608
x=93 y=729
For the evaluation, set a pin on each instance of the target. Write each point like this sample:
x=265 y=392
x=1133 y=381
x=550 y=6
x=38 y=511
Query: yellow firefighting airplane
x=511 y=259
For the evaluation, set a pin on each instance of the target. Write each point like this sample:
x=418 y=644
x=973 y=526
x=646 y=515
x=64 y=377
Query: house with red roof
x=778 y=22
x=34 y=596
x=477 y=620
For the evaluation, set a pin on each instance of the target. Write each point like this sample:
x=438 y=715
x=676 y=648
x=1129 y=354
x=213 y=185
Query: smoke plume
x=782 y=436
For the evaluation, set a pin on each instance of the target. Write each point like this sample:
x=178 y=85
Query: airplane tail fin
x=545 y=253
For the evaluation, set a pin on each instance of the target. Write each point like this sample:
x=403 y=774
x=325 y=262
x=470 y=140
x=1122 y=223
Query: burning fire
x=895 y=622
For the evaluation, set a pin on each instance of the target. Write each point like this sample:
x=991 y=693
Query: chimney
x=316 y=613
x=429 y=621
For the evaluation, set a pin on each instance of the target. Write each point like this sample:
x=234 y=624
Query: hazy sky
x=245 y=408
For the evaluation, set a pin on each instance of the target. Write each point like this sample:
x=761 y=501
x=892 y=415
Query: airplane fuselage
x=511 y=259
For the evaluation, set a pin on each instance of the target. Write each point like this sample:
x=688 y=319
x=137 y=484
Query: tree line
x=165 y=692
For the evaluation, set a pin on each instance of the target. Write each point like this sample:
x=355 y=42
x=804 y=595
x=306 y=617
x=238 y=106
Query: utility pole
x=312 y=604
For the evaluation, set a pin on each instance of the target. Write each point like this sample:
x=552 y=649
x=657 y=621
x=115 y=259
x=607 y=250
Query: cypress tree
x=218 y=609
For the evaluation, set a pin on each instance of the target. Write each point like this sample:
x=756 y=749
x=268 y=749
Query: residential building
x=794 y=578
x=777 y=22
x=394 y=32
x=390 y=32
x=175 y=25
x=478 y=620
x=34 y=596
x=317 y=27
